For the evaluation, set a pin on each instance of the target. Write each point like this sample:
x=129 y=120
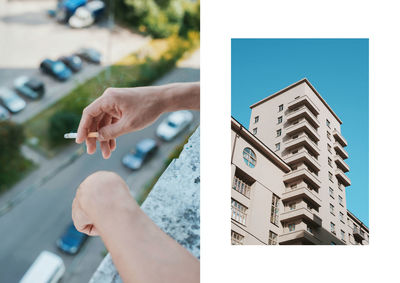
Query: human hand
x=100 y=198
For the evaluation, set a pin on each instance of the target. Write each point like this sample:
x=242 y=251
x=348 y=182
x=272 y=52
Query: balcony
x=303 y=126
x=338 y=137
x=303 y=112
x=340 y=150
x=341 y=164
x=301 y=213
x=302 y=140
x=303 y=156
x=298 y=236
x=302 y=174
x=358 y=234
x=304 y=100
x=342 y=178
x=302 y=192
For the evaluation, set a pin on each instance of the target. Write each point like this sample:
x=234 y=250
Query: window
x=272 y=240
x=341 y=216
x=328 y=135
x=293 y=186
x=256 y=119
x=279 y=119
x=309 y=229
x=332 y=209
x=330 y=176
x=279 y=133
x=236 y=238
x=291 y=227
x=329 y=148
x=249 y=157
x=329 y=161
x=333 y=244
x=280 y=107
x=275 y=210
x=238 y=212
x=255 y=131
x=292 y=206
x=333 y=228
x=331 y=192
x=341 y=200
x=328 y=123
x=342 y=234
x=241 y=187
x=277 y=146
x=340 y=186
x=295 y=151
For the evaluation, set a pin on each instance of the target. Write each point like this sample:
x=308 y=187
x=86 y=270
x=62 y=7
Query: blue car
x=144 y=149
x=66 y=8
x=57 y=69
x=72 y=240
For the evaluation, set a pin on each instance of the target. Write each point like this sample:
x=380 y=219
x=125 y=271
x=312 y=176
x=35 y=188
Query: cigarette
x=74 y=135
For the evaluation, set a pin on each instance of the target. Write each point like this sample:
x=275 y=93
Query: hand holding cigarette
x=122 y=110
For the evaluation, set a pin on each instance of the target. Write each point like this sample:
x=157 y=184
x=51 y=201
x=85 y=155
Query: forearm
x=144 y=253
x=180 y=96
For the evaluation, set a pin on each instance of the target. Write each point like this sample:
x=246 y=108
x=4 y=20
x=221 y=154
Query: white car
x=11 y=100
x=47 y=268
x=81 y=19
x=174 y=124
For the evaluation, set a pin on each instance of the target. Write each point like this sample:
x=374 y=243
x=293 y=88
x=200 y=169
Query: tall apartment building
x=288 y=173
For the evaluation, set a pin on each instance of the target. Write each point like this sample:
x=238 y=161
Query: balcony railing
x=302 y=174
x=341 y=164
x=304 y=100
x=302 y=140
x=342 y=177
x=301 y=213
x=241 y=187
x=303 y=193
x=303 y=112
x=338 y=136
x=303 y=126
x=303 y=156
x=340 y=150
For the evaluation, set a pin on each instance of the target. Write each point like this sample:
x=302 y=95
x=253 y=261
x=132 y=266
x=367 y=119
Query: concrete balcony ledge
x=302 y=192
x=302 y=174
x=343 y=178
x=303 y=156
x=303 y=112
x=302 y=140
x=341 y=164
x=358 y=235
x=340 y=150
x=301 y=213
x=298 y=236
x=173 y=204
x=303 y=126
x=304 y=100
x=338 y=136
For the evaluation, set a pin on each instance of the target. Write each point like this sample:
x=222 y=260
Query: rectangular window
x=291 y=227
x=277 y=146
x=256 y=119
x=329 y=148
x=328 y=123
x=329 y=161
x=309 y=229
x=279 y=133
x=328 y=135
x=330 y=176
x=342 y=234
x=340 y=200
x=238 y=212
x=341 y=216
x=279 y=119
x=292 y=206
x=241 y=187
x=275 y=210
x=236 y=238
x=332 y=209
x=340 y=186
x=331 y=192
x=333 y=228
x=272 y=240
x=280 y=107
x=254 y=131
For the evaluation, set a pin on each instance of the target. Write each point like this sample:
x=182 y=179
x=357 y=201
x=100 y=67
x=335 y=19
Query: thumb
x=111 y=131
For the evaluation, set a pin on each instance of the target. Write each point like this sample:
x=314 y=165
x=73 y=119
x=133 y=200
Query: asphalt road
x=36 y=223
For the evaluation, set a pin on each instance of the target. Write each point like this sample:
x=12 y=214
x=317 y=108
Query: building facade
x=288 y=173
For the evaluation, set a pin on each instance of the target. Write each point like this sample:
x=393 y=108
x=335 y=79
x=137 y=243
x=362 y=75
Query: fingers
x=88 y=114
x=91 y=142
x=111 y=131
x=113 y=144
x=81 y=221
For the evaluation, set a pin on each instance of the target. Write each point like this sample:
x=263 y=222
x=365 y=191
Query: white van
x=47 y=268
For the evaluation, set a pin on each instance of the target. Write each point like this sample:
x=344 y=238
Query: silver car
x=11 y=100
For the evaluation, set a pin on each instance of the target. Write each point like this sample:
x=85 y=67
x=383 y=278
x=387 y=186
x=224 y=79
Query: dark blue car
x=57 y=69
x=72 y=240
x=66 y=8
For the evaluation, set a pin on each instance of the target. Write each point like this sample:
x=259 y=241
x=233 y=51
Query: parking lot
x=28 y=36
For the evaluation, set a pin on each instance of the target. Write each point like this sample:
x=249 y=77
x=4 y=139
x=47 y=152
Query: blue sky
x=337 y=68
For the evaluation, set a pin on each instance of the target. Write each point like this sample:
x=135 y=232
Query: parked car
x=57 y=69
x=73 y=62
x=66 y=8
x=90 y=55
x=29 y=87
x=174 y=124
x=85 y=16
x=143 y=151
x=72 y=240
x=47 y=268
x=4 y=114
x=11 y=100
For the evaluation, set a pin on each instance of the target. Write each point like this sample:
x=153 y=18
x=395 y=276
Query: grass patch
x=16 y=168
x=137 y=69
